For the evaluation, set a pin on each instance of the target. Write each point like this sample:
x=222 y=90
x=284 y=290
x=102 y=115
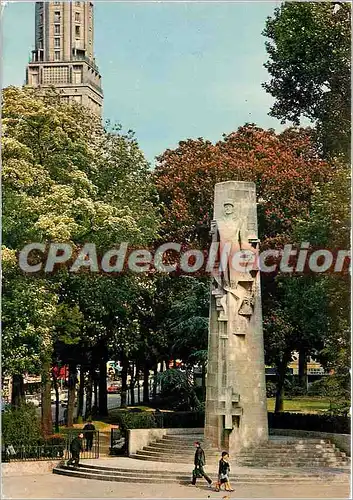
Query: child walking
x=223 y=473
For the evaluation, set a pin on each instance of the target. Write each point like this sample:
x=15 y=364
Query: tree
x=309 y=49
x=328 y=226
x=69 y=179
x=285 y=168
x=29 y=309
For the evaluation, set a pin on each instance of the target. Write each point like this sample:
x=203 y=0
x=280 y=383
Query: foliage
x=328 y=226
x=66 y=178
x=309 y=49
x=187 y=319
x=184 y=419
x=21 y=425
x=270 y=389
x=178 y=390
x=29 y=309
x=140 y=420
x=285 y=168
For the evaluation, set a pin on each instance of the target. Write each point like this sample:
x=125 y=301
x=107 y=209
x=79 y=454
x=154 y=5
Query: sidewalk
x=132 y=463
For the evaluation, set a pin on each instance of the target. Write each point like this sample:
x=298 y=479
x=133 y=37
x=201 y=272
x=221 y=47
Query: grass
x=301 y=404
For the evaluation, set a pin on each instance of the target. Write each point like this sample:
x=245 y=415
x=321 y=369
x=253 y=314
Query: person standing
x=223 y=473
x=89 y=429
x=200 y=462
x=75 y=449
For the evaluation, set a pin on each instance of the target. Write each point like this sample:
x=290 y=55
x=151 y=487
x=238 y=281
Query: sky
x=170 y=71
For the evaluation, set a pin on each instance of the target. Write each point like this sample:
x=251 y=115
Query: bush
x=132 y=420
x=309 y=422
x=296 y=390
x=147 y=419
x=318 y=388
x=20 y=425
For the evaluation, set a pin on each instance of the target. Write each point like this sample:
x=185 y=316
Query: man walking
x=89 y=429
x=200 y=462
x=75 y=449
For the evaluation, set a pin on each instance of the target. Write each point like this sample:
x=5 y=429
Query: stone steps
x=104 y=473
x=291 y=452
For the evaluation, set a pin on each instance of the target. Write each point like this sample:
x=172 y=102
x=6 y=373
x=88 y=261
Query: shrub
x=20 y=425
x=309 y=422
x=318 y=388
x=132 y=420
x=296 y=390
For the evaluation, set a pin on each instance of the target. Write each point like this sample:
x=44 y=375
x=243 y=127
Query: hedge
x=196 y=419
x=309 y=422
x=131 y=420
x=183 y=419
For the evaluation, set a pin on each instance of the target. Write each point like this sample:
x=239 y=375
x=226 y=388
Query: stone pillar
x=236 y=409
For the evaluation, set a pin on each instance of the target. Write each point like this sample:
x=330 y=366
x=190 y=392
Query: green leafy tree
x=309 y=49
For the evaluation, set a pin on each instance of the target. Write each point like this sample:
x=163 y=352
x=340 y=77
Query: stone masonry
x=236 y=411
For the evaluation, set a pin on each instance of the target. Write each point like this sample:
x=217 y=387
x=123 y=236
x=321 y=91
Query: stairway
x=119 y=474
x=177 y=449
x=277 y=452
x=291 y=452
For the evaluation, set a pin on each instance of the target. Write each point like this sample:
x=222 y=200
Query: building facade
x=64 y=53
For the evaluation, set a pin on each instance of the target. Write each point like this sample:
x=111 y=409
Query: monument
x=236 y=409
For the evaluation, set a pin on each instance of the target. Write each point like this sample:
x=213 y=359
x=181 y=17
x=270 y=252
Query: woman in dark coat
x=223 y=473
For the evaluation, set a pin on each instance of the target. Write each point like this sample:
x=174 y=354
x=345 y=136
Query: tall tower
x=63 y=56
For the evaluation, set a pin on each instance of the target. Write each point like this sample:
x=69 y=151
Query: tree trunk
x=95 y=384
x=303 y=369
x=281 y=376
x=102 y=394
x=81 y=393
x=132 y=385
x=89 y=390
x=155 y=378
x=57 y=401
x=125 y=367
x=138 y=383
x=18 y=391
x=71 y=394
x=146 y=386
x=47 y=418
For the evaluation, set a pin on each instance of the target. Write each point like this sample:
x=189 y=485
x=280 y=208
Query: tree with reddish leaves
x=285 y=168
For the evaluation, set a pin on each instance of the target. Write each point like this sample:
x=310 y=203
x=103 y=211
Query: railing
x=89 y=450
x=24 y=452
x=49 y=451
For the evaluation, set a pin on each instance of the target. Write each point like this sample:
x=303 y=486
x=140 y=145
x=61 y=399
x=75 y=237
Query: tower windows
x=77 y=17
x=77 y=31
x=56 y=42
x=56 y=17
x=77 y=74
x=56 y=55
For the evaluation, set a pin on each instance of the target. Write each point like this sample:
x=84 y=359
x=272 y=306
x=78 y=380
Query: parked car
x=114 y=388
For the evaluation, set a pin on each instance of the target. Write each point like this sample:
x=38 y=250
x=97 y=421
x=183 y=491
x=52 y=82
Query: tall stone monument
x=236 y=410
